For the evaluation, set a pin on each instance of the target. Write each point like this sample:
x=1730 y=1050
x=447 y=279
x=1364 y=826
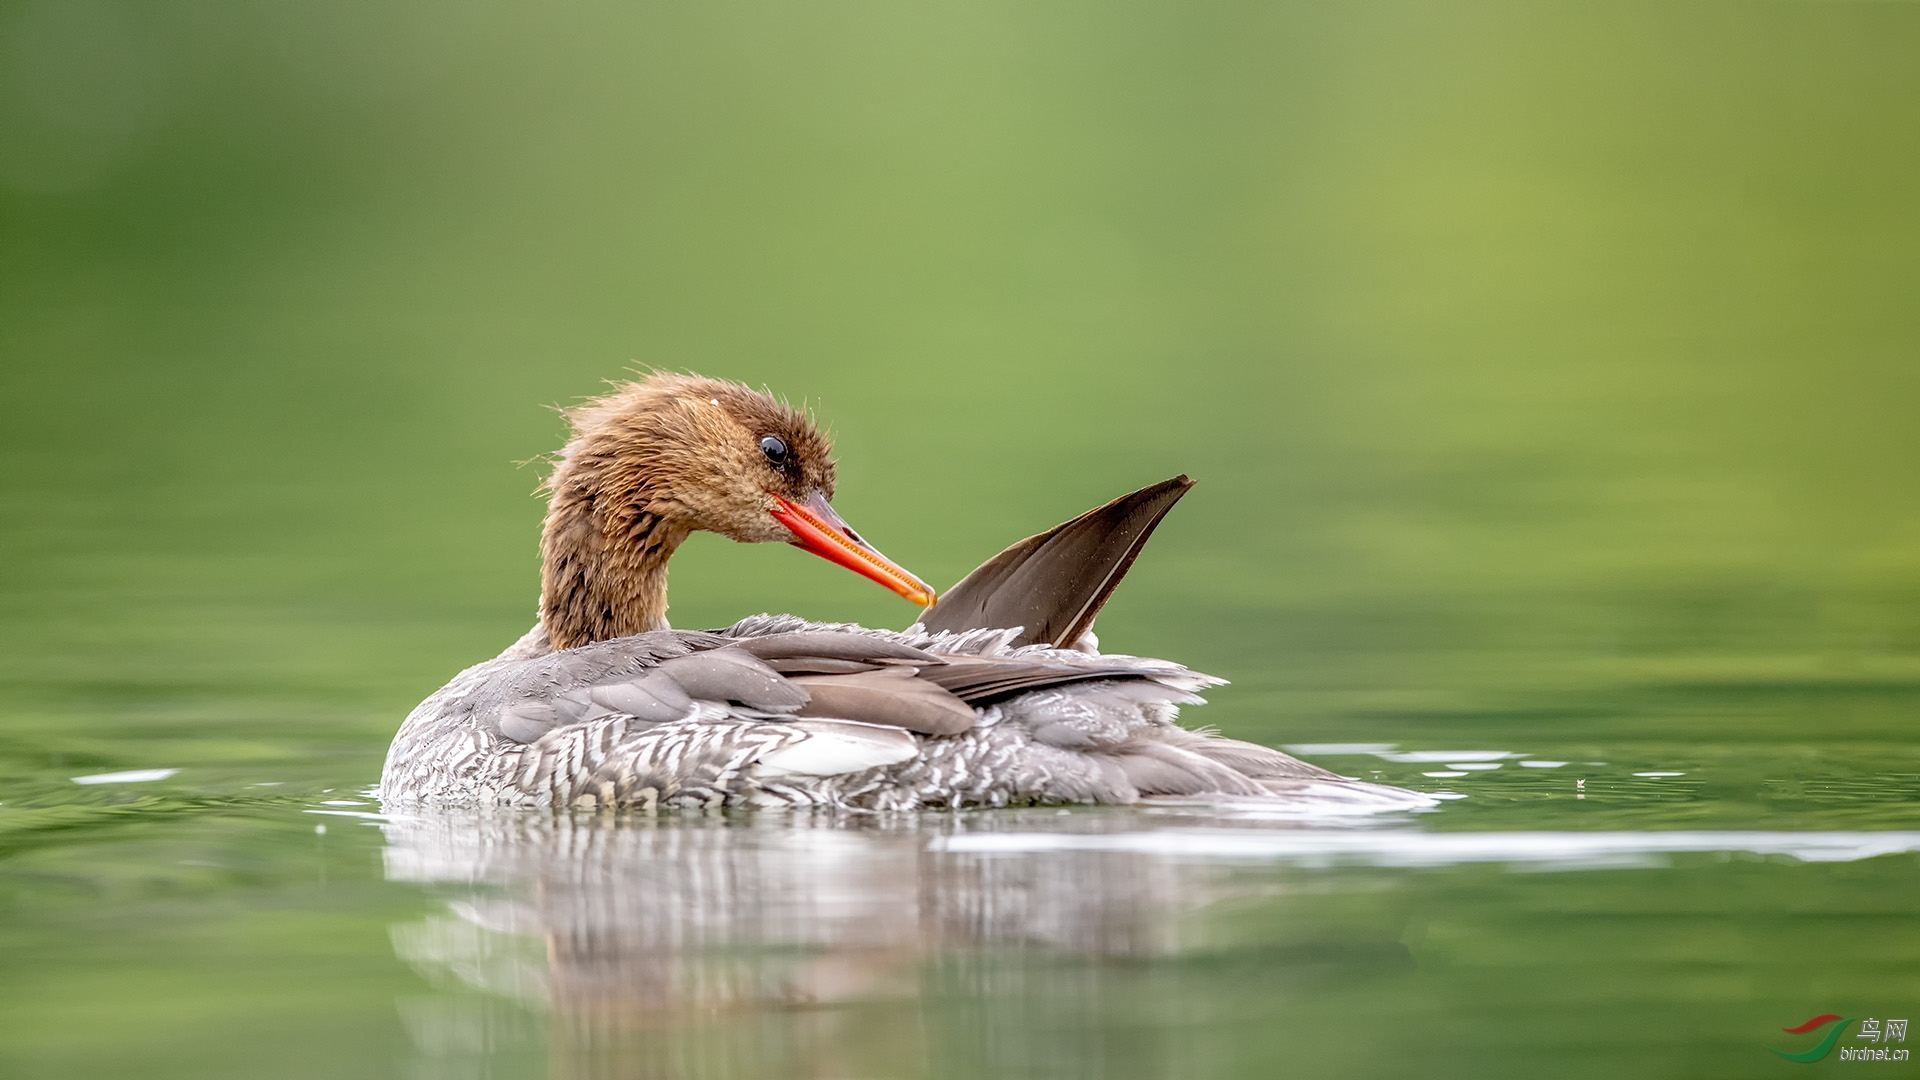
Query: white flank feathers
x=834 y=747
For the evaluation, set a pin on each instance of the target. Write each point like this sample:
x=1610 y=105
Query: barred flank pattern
x=674 y=719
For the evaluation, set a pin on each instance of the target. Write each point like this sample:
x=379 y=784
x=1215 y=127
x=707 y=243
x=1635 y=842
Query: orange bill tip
x=817 y=528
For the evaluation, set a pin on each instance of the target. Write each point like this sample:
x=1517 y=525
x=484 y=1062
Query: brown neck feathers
x=603 y=565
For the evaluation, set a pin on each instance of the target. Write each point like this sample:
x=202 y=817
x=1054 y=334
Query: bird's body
x=995 y=699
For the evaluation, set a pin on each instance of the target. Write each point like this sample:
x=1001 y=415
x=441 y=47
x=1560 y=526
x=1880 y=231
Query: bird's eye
x=776 y=450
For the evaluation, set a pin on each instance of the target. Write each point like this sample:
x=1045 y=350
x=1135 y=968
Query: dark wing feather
x=984 y=681
x=891 y=697
x=1054 y=583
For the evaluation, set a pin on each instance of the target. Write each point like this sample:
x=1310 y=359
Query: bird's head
x=693 y=454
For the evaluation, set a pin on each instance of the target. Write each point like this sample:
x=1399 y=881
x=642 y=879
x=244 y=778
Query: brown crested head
x=657 y=459
x=695 y=454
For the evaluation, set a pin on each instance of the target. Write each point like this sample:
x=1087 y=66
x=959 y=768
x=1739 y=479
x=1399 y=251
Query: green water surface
x=1548 y=371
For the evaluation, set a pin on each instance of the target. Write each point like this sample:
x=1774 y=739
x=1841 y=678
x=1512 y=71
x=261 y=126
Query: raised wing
x=1052 y=584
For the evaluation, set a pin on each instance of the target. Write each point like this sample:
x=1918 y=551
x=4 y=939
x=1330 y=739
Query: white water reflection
x=638 y=938
x=1414 y=848
x=129 y=776
x=869 y=946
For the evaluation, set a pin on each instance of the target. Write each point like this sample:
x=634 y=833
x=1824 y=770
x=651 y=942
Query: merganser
x=996 y=697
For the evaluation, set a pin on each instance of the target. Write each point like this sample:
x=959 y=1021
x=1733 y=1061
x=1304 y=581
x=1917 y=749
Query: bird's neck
x=603 y=565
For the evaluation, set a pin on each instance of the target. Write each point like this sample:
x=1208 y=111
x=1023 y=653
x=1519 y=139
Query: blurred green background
x=1587 y=331
x=1565 y=329
x=1549 y=372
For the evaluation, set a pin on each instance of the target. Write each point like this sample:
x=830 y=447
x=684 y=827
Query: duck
x=998 y=695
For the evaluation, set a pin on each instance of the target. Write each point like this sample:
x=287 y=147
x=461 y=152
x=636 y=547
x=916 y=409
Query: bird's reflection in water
x=803 y=946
